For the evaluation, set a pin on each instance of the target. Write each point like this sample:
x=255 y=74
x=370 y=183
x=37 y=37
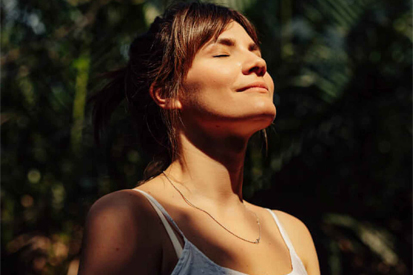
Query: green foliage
x=339 y=154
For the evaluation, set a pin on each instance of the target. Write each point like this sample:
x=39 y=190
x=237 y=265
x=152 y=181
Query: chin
x=264 y=122
x=254 y=124
x=266 y=113
x=265 y=107
x=265 y=118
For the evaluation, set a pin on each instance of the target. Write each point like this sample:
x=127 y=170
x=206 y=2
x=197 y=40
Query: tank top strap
x=162 y=214
x=283 y=232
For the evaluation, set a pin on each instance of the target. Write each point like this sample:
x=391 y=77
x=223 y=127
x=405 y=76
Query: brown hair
x=161 y=58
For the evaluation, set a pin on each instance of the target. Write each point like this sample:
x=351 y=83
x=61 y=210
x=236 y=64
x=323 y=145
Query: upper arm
x=301 y=240
x=117 y=237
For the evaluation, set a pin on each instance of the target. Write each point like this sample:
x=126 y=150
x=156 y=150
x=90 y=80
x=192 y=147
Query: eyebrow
x=226 y=41
x=231 y=43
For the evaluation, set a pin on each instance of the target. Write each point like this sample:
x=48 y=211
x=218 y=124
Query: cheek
x=209 y=80
x=221 y=76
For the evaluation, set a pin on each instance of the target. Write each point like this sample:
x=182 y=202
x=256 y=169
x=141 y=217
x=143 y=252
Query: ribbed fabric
x=193 y=262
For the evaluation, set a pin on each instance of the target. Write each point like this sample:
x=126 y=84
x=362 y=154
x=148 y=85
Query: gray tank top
x=193 y=262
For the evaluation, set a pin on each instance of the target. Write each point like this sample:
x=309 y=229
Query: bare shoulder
x=118 y=236
x=120 y=207
x=120 y=200
x=292 y=225
x=301 y=239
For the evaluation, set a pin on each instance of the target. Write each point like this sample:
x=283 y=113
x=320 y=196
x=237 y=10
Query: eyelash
x=226 y=55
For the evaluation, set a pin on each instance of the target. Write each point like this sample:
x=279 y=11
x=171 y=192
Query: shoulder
x=301 y=240
x=292 y=225
x=118 y=209
x=119 y=235
x=122 y=203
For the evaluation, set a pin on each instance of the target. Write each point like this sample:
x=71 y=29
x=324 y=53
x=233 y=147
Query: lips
x=255 y=85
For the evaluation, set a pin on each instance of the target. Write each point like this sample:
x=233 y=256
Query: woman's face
x=228 y=89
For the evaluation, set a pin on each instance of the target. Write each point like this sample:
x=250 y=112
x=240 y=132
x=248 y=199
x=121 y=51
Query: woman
x=198 y=88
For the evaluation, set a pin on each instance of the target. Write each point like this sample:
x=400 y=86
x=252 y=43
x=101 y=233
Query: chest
x=218 y=247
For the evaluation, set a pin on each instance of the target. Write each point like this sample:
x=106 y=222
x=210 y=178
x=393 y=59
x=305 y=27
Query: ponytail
x=131 y=83
x=107 y=100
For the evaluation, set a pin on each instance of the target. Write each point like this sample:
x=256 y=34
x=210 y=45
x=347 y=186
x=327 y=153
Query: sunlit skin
x=215 y=99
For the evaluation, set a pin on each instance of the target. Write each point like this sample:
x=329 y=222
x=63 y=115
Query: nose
x=254 y=64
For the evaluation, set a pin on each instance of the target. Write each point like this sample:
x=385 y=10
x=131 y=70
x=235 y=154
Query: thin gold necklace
x=188 y=202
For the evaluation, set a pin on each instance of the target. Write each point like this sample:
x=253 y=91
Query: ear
x=162 y=101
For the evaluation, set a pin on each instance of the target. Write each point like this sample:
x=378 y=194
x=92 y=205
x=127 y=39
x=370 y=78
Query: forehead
x=234 y=28
x=233 y=33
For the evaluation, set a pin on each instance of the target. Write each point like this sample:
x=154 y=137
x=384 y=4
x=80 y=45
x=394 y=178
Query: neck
x=210 y=171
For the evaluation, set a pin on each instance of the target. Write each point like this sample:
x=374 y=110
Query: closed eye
x=221 y=55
